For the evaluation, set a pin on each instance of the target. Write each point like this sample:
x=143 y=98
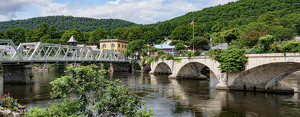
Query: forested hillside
x=240 y=24
x=66 y=23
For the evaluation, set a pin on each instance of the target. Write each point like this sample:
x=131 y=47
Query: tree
x=96 y=35
x=53 y=33
x=94 y=96
x=267 y=18
x=281 y=33
x=1 y=35
x=137 y=47
x=198 y=42
x=17 y=35
x=153 y=49
x=180 y=46
x=78 y=35
x=182 y=33
x=252 y=38
x=134 y=33
x=174 y=42
x=230 y=35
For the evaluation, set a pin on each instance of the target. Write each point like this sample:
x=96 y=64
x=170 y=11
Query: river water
x=176 y=97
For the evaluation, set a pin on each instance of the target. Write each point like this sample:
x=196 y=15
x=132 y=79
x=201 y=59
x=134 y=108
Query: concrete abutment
x=17 y=74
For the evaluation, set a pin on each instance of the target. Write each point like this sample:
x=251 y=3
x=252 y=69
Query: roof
x=72 y=39
x=220 y=46
x=164 y=46
x=113 y=40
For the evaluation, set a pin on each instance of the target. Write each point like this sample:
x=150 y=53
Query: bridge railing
x=44 y=52
x=8 y=51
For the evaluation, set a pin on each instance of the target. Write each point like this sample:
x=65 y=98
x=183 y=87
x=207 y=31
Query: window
x=125 y=46
x=112 y=45
x=103 y=46
x=118 y=45
x=122 y=45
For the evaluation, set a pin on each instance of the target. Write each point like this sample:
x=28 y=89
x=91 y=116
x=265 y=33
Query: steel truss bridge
x=37 y=52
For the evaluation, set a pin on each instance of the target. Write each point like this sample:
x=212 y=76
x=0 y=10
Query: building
x=113 y=44
x=166 y=47
x=72 y=41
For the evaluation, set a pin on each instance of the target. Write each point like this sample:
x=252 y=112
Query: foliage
x=180 y=46
x=160 y=53
x=153 y=49
x=170 y=57
x=197 y=53
x=198 y=42
x=174 y=42
x=143 y=61
x=66 y=23
x=215 y=54
x=252 y=38
x=178 y=60
x=137 y=66
x=162 y=57
x=190 y=54
x=106 y=66
x=66 y=108
x=233 y=60
x=293 y=46
x=30 y=75
x=96 y=35
x=137 y=46
x=95 y=95
x=151 y=58
x=8 y=102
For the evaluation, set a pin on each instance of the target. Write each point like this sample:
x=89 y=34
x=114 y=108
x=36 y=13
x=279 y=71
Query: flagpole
x=193 y=32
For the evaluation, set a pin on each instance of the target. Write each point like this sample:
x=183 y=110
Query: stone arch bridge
x=263 y=72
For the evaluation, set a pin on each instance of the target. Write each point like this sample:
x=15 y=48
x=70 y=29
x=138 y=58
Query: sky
x=137 y=11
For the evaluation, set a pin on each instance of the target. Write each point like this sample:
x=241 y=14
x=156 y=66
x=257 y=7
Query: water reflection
x=176 y=97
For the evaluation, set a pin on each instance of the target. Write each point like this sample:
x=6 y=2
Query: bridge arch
x=264 y=77
x=162 y=68
x=191 y=70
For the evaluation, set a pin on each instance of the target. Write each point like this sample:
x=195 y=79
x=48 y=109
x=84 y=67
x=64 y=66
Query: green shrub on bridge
x=233 y=60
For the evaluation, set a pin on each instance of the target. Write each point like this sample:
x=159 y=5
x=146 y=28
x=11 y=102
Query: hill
x=237 y=13
x=66 y=23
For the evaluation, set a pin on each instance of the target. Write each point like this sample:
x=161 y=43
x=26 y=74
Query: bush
x=169 y=57
x=137 y=66
x=106 y=66
x=94 y=96
x=215 y=54
x=9 y=103
x=233 y=60
x=143 y=61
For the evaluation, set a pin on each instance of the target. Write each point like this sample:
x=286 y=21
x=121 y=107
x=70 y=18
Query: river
x=176 y=97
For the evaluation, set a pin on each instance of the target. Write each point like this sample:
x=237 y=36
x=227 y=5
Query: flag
x=192 y=22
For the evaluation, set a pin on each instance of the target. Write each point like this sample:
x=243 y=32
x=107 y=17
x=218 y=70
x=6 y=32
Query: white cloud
x=138 y=11
x=115 y=2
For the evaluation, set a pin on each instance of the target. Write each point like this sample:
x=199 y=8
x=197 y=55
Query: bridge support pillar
x=17 y=74
x=120 y=67
x=223 y=85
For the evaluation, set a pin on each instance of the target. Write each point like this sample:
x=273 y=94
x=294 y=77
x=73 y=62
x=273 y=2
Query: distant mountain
x=66 y=23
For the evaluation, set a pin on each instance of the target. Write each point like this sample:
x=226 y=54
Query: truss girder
x=47 y=52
